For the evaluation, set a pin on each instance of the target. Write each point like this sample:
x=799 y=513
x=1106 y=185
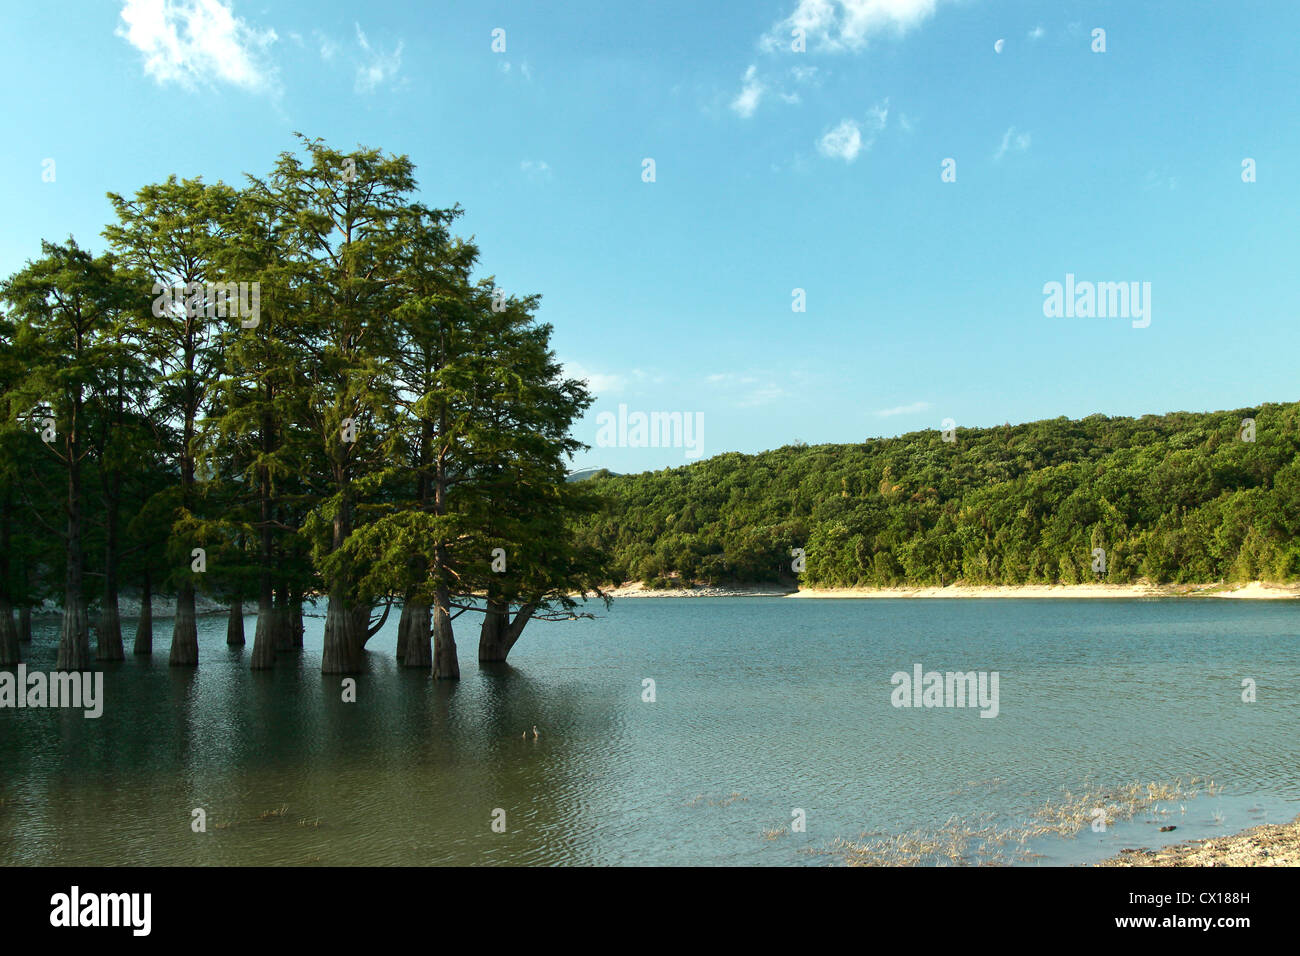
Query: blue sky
x=775 y=170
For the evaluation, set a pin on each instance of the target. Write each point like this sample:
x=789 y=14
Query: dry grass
x=983 y=841
x=772 y=833
x=273 y=814
x=726 y=801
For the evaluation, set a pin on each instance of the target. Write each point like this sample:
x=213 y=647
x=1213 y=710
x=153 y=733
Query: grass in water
x=983 y=841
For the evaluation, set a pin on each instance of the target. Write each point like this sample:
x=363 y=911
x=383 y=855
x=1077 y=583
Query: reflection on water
x=762 y=706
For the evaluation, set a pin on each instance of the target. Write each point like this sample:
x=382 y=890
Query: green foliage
x=1173 y=498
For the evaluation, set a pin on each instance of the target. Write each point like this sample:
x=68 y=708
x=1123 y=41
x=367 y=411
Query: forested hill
x=1181 y=497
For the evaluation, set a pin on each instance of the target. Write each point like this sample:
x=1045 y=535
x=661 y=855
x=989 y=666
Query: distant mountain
x=585 y=473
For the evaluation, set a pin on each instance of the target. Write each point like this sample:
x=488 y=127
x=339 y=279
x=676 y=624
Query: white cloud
x=598 y=383
x=751 y=93
x=536 y=168
x=846 y=141
x=189 y=42
x=328 y=48
x=1011 y=140
x=805 y=74
x=879 y=115
x=846 y=25
x=904 y=409
x=1036 y=33
x=843 y=142
x=379 y=67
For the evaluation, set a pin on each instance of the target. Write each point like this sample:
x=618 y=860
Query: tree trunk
x=445 y=665
x=418 y=650
x=283 y=620
x=108 y=632
x=74 y=634
x=185 y=630
x=264 y=635
x=342 y=652
x=144 y=629
x=25 y=625
x=403 y=625
x=496 y=642
x=8 y=636
x=8 y=633
x=295 y=617
x=235 y=626
x=492 y=634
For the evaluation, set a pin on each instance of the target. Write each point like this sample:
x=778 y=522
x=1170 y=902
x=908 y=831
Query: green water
x=762 y=706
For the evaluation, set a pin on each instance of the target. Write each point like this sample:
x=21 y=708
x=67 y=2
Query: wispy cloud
x=377 y=67
x=750 y=95
x=836 y=26
x=904 y=409
x=328 y=48
x=599 y=383
x=196 y=42
x=1036 y=33
x=1012 y=141
x=536 y=168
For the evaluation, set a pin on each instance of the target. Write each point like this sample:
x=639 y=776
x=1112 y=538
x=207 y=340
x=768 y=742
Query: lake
x=772 y=739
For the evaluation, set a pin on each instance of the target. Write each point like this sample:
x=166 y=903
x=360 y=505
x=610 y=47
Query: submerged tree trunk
x=25 y=625
x=403 y=625
x=419 y=652
x=492 y=633
x=264 y=635
x=283 y=620
x=108 y=633
x=342 y=652
x=185 y=630
x=8 y=634
x=74 y=634
x=235 y=625
x=144 y=629
x=445 y=664
x=295 y=617
x=500 y=631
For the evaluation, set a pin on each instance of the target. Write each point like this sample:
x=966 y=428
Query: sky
x=915 y=177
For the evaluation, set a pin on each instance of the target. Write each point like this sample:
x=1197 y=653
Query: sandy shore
x=1255 y=590
x=1275 y=844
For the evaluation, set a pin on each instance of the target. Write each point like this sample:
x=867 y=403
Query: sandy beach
x=1255 y=590
x=1275 y=844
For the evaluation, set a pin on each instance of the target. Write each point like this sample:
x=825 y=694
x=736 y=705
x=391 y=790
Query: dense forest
x=292 y=387
x=1170 y=498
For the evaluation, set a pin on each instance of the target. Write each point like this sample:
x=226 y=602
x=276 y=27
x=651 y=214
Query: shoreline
x=1255 y=590
x=1269 y=844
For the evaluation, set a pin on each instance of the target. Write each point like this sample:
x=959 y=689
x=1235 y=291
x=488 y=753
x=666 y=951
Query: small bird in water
x=535 y=733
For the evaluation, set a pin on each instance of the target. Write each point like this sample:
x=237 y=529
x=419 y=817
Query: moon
x=997 y=47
